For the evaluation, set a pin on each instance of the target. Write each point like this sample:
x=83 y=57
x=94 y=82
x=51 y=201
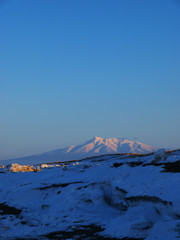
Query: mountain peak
x=101 y=146
x=98 y=138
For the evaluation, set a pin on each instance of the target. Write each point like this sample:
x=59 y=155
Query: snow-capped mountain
x=93 y=147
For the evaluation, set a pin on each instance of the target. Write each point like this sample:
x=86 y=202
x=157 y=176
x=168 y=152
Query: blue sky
x=71 y=70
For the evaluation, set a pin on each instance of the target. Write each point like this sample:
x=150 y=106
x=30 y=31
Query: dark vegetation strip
x=27 y=238
x=89 y=158
x=131 y=164
x=173 y=151
x=135 y=164
x=96 y=158
x=146 y=198
x=83 y=232
x=152 y=164
x=127 y=238
x=7 y=210
x=173 y=167
x=56 y=185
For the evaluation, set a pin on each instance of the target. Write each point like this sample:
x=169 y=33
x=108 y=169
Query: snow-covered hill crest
x=112 y=197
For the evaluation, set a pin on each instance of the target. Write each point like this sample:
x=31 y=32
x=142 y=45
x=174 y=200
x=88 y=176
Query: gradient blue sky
x=71 y=70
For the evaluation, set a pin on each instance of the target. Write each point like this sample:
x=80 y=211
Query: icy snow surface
x=107 y=197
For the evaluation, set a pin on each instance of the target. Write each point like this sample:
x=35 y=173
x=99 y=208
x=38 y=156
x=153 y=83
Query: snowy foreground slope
x=93 y=147
x=108 y=197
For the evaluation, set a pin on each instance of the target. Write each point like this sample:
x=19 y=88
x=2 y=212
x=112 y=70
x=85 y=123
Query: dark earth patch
x=81 y=232
x=173 y=167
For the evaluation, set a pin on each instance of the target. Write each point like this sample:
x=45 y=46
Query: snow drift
x=108 y=197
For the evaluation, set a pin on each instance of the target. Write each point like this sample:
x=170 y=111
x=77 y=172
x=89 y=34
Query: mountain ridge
x=93 y=147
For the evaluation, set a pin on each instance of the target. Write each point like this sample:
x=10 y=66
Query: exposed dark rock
x=120 y=204
x=7 y=210
x=79 y=233
x=79 y=188
x=117 y=164
x=23 y=222
x=121 y=190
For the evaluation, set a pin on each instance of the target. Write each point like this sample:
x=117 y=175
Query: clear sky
x=74 y=69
